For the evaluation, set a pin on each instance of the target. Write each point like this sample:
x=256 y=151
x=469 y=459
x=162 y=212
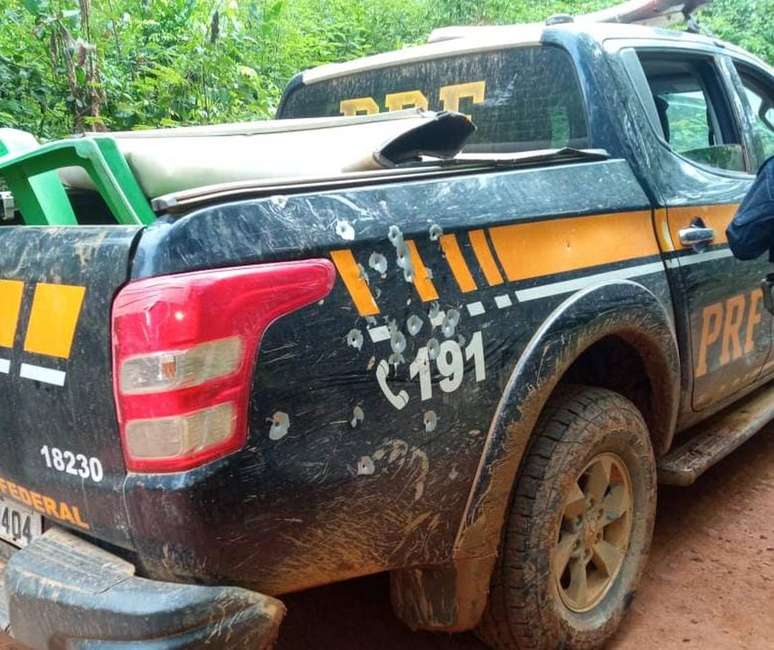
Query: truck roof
x=449 y=41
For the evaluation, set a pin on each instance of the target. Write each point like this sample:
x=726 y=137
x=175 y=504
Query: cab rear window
x=520 y=99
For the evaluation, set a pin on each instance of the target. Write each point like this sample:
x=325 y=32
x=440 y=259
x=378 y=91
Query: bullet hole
x=403 y=258
x=431 y=421
x=404 y=261
x=429 y=273
x=453 y=474
x=365 y=466
x=363 y=274
x=345 y=230
x=414 y=324
x=395 y=235
x=378 y=263
x=280 y=423
x=397 y=341
x=279 y=201
x=357 y=416
x=450 y=322
x=435 y=232
x=377 y=292
x=355 y=339
x=433 y=349
x=423 y=362
x=436 y=315
x=371 y=363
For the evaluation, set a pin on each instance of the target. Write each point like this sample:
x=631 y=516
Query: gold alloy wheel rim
x=594 y=533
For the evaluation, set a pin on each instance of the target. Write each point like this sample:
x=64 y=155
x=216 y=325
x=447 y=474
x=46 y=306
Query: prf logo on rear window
x=449 y=96
x=53 y=319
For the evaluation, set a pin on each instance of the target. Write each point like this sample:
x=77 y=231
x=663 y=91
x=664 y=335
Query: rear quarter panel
x=352 y=466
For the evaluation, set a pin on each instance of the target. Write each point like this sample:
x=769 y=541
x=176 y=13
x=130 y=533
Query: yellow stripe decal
x=422 y=282
x=10 y=303
x=663 y=234
x=485 y=258
x=459 y=267
x=354 y=282
x=53 y=319
x=531 y=250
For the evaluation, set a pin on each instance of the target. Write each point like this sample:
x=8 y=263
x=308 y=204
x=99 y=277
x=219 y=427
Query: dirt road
x=709 y=585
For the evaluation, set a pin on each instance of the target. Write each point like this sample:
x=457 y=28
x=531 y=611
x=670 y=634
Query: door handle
x=698 y=236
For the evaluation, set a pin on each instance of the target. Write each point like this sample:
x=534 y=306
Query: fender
x=453 y=597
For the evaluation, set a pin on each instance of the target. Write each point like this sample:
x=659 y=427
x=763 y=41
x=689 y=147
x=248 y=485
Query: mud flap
x=64 y=592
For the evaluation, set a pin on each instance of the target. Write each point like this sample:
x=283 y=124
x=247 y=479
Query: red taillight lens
x=184 y=347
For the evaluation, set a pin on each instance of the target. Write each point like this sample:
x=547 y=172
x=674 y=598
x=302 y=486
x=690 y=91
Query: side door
x=705 y=167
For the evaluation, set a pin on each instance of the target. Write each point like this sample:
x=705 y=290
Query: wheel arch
x=622 y=315
x=624 y=310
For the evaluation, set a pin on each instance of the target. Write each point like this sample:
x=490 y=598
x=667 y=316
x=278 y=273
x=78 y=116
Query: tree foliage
x=71 y=65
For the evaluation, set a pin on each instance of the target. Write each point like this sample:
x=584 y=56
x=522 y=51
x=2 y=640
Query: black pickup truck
x=241 y=362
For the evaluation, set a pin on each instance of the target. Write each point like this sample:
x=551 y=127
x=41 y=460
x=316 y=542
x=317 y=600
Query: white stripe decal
x=567 y=286
x=5 y=366
x=476 y=308
x=503 y=301
x=379 y=334
x=46 y=375
x=698 y=258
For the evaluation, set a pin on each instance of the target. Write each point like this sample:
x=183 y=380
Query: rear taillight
x=184 y=347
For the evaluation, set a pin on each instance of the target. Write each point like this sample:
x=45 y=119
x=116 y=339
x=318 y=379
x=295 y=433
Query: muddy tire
x=579 y=528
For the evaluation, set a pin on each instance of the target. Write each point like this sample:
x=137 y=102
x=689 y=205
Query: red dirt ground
x=709 y=583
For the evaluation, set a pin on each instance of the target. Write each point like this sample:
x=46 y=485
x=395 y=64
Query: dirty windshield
x=521 y=99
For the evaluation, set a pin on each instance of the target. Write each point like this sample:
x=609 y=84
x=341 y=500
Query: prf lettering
x=449 y=96
x=728 y=329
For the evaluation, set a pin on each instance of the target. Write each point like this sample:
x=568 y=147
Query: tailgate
x=60 y=452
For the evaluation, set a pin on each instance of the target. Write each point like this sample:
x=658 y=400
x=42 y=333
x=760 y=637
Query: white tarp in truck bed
x=171 y=160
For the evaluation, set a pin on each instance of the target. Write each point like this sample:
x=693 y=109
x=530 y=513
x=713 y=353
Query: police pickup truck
x=242 y=361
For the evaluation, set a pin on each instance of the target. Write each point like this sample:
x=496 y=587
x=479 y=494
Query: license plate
x=18 y=525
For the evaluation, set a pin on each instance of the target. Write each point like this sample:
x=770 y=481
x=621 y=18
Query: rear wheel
x=579 y=527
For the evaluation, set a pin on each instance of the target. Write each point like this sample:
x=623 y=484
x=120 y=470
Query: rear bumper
x=63 y=592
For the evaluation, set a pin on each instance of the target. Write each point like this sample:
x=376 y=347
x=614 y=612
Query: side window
x=693 y=111
x=760 y=97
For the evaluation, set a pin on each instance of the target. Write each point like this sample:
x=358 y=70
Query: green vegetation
x=72 y=65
